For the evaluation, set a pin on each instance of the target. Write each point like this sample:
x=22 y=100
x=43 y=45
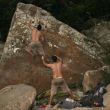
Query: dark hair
x=54 y=58
x=39 y=27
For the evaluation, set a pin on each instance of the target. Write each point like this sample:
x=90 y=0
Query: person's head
x=54 y=58
x=39 y=27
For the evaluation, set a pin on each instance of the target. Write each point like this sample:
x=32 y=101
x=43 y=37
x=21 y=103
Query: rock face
x=19 y=67
x=106 y=97
x=1 y=48
x=93 y=77
x=17 y=97
x=101 y=33
x=25 y=12
x=80 y=108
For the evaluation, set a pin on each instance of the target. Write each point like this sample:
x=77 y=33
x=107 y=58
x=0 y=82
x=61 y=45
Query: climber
x=57 y=80
x=37 y=37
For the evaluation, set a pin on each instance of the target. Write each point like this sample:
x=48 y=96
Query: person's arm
x=46 y=64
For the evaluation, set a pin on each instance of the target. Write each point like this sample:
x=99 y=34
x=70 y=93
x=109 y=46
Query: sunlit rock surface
x=19 y=67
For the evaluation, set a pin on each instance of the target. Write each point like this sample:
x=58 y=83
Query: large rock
x=19 y=67
x=50 y=24
x=1 y=48
x=106 y=97
x=93 y=77
x=17 y=97
x=83 y=108
x=101 y=33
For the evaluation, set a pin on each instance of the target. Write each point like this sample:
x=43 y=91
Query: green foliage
x=43 y=99
x=75 y=85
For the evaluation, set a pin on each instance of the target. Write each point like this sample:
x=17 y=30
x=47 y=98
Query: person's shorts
x=36 y=47
x=59 y=83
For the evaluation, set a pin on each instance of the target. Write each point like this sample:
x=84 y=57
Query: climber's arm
x=46 y=64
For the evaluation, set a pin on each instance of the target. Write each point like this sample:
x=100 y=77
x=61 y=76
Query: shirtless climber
x=57 y=80
x=35 y=46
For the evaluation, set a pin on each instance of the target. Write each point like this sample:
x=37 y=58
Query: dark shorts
x=59 y=83
x=36 y=47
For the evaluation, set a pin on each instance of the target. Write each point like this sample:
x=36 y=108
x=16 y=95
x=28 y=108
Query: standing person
x=58 y=80
x=35 y=46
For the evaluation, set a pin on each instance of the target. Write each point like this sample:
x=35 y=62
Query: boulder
x=105 y=69
x=18 y=66
x=106 y=97
x=93 y=77
x=83 y=108
x=100 y=32
x=1 y=48
x=17 y=97
x=24 y=12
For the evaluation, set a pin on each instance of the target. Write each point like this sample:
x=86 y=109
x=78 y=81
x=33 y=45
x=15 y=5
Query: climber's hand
x=42 y=57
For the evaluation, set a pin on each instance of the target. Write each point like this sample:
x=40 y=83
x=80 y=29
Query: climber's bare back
x=56 y=69
x=36 y=35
